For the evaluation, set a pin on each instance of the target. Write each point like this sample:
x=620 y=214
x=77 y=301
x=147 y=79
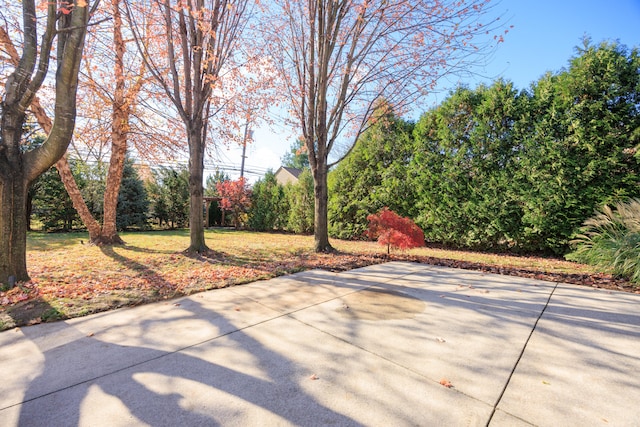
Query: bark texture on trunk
x=196 y=167
x=321 y=224
x=13 y=229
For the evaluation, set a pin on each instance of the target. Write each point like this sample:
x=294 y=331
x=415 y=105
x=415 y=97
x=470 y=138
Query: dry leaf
x=35 y=321
x=314 y=377
x=177 y=304
x=90 y=334
x=440 y=339
x=445 y=383
x=237 y=308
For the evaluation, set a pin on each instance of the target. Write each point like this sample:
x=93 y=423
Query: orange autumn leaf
x=446 y=383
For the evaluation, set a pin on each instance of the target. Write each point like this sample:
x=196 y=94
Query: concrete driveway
x=387 y=345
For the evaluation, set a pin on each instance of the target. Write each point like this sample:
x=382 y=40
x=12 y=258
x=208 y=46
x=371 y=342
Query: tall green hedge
x=499 y=168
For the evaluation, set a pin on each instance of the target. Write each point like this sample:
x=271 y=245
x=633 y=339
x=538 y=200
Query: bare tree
x=195 y=53
x=65 y=23
x=340 y=59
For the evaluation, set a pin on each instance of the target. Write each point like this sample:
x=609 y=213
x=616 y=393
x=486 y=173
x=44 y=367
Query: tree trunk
x=321 y=224
x=29 y=210
x=196 y=169
x=109 y=235
x=66 y=176
x=13 y=228
x=69 y=182
x=119 y=129
x=13 y=201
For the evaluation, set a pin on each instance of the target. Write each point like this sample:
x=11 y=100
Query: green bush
x=301 y=204
x=611 y=240
x=269 y=205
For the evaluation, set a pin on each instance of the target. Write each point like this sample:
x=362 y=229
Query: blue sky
x=546 y=32
x=543 y=38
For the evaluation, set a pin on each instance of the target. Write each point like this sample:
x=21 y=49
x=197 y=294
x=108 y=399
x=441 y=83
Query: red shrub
x=391 y=229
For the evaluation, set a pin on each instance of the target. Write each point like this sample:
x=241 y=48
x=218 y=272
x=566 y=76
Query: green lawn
x=72 y=278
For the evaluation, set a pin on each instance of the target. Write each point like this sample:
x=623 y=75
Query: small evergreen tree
x=52 y=205
x=269 y=205
x=301 y=202
x=92 y=181
x=169 y=197
x=133 y=203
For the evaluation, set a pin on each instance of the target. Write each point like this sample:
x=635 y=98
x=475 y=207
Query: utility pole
x=247 y=133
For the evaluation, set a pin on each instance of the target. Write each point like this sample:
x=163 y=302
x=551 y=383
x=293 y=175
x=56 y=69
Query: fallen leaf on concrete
x=236 y=308
x=439 y=339
x=445 y=383
x=314 y=377
x=546 y=383
x=177 y=304
x=90 y=334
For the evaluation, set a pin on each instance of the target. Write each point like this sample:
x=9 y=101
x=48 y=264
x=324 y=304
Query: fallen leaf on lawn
x=440 y=339
x=314 y=377
x=35 y=321
x=445 y=383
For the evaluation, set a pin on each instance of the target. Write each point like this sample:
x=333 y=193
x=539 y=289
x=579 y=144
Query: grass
x=610 y=240
x=71 y=278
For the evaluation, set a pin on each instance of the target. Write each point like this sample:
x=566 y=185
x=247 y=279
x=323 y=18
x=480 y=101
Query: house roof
x=293 y=171
x=285 y=175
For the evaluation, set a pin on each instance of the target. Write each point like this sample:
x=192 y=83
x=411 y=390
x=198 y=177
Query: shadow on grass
x=160 y=286
x=29 y=312
x=43 y=241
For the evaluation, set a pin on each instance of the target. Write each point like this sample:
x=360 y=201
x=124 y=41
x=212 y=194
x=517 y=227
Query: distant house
x=285 y=175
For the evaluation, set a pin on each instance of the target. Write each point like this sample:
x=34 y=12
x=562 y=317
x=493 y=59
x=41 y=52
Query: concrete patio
x=375 y=346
